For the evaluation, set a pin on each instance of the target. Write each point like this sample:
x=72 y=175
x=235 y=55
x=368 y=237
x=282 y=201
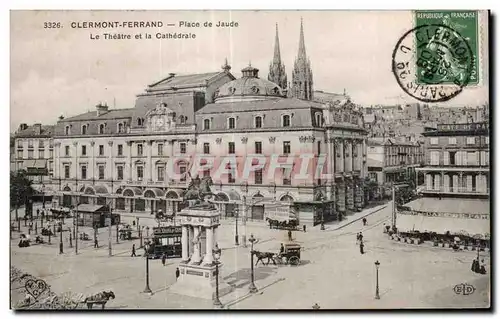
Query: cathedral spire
x=302 y=45
x=277 y=72
x=277 y=55
x=302 y=77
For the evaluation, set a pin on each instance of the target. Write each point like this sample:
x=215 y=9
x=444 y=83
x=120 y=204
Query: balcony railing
x=457 y=190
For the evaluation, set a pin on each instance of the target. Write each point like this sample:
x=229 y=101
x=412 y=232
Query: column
x=350 y=195
x=75 y=144
x=209 y=257
x=185 y=256
x=92 y=160
x=130 y=174
x=216 y=232
x=110 y=176
x=341 y=196
x=353 y=145
x=150 y=161
x=191 y=237
x=330 y=162
x=196 y=258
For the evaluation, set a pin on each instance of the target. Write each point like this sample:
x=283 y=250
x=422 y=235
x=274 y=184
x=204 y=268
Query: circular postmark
x=432 y=63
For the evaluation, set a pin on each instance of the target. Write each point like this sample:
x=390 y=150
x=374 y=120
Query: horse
x=262 y=255
x=99 y=298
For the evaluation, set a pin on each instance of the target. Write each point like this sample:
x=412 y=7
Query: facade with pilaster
x=457 y=160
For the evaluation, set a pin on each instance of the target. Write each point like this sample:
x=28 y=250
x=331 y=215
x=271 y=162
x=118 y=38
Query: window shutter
x=446 y=182
x=429 y=181
x=437 y=182
x=469 y=182
x=446 y=158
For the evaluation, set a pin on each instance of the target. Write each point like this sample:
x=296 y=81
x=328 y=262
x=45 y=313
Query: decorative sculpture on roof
x=161 y=118
x=199 y=194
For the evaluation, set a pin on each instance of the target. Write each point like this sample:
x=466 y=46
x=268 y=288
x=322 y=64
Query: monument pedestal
x=199 y=281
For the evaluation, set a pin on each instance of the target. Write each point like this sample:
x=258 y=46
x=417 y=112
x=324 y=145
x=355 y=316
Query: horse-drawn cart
x=290 y=255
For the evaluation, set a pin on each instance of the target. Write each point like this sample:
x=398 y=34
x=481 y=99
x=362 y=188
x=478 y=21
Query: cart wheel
x=294 y=261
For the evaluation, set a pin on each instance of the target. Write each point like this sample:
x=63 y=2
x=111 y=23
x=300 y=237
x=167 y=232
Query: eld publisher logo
x=464 y=289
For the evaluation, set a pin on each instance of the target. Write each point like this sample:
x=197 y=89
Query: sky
x=62 y=71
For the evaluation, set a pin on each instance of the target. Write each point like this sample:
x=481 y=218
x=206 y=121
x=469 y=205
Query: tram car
x=166 y=240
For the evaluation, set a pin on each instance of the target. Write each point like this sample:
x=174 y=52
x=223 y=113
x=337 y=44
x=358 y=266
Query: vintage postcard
x=317 y=160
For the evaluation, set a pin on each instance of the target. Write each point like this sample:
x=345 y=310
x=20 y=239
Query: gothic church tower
x=277 y=72
x=302 y=77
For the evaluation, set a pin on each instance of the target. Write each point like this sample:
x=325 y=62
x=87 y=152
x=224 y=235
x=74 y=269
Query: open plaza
x=332 y=272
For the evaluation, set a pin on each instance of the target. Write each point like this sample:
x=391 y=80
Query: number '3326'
x=52 y=25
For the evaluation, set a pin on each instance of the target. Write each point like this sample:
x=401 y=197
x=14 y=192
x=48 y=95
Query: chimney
x=37 y=128
x=23 y=126
x=101 y=109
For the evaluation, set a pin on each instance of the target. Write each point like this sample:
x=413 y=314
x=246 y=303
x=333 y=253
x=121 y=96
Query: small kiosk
x=95 y=215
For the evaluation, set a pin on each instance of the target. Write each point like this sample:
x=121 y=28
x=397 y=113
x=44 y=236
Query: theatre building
x=456 y=197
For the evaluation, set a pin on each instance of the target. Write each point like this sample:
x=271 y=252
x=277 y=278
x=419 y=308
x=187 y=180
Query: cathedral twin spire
x=277 y=72
x=302 y=78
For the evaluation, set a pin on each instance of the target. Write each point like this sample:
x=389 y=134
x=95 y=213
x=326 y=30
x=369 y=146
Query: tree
x=20 y=188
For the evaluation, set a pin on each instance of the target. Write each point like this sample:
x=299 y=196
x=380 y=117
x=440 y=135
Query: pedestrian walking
x=133 y=251
x=361 y=237
x=364 y=221
x=164 y=258
x=289 y=235
x=304 y=227
x=96 y=243
x=37 y=212
x=177 y=273
x=361 y=247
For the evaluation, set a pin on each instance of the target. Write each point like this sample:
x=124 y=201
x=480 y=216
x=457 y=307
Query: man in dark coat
x=133 y=251
x=289 y=235
x=361 y=248
x=164 y=258
x=177 y=274
x=304 y=227
x=361 y=237
x=282 y=249
x=96 y=243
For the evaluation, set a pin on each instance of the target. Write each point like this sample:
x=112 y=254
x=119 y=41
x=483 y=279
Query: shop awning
x=89 y=208
x=441 y=225
x=450 y=205
x=35 y=163
x=279 y=212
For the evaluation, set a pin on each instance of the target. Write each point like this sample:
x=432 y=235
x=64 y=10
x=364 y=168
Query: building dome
x=248 y=87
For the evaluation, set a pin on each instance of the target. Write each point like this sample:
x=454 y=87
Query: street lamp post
x=217 y=252
x=377 y=295
x=70 y=239
x=43 y=196
x=117 y=231
x=110 y=236
x=75 y=219
x=252 y=287
x=147 y=290
x=236 y=240
x=61 y=248
x=140 y=238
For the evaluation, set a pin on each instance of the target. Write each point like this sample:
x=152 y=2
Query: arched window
x=258 y=121
x=101 y=128
x=66 y=130
x=84 y=129
x=206 y=124
x=231 y=123
x=319 y=119
x=286 y=120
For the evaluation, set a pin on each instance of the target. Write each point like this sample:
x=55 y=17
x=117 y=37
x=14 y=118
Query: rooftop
x=187 y=80
x=32 y=130
x=259 y=105
x=109 y=115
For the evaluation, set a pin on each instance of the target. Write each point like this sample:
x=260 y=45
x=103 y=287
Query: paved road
x=333 y=273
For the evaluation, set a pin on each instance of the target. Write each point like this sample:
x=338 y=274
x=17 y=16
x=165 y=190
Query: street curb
x=360 y=217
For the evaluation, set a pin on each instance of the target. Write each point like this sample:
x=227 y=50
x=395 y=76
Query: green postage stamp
x=463 y=22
